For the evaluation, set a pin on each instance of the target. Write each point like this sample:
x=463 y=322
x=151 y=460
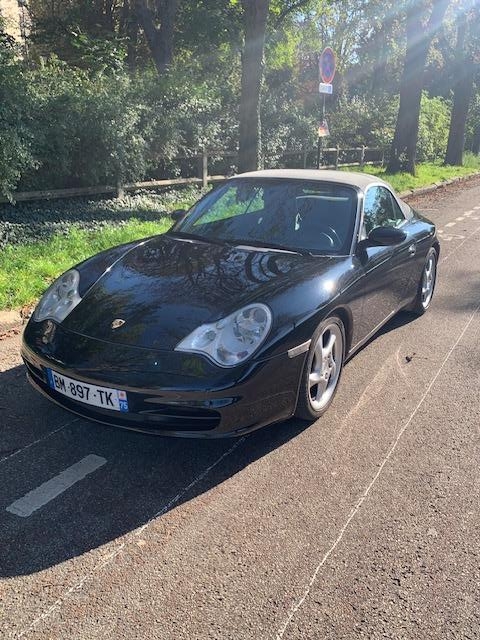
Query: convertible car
x=242 y=314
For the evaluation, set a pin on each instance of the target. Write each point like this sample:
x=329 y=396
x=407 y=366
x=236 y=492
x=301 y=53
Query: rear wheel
x=426 y=286
x=322 y=370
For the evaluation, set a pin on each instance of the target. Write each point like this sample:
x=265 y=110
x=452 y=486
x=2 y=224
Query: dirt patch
x=9 y=320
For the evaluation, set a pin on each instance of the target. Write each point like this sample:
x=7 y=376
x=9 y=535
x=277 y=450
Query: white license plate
x=105 y=397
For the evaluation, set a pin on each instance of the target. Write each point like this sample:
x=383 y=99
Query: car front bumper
x=169 y=393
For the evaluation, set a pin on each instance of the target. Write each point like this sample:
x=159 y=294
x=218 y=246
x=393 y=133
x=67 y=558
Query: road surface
x=363 y=525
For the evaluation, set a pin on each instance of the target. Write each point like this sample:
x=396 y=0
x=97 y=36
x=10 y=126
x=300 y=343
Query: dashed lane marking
x=46 y=492
x=450 y=224
x=460 y=218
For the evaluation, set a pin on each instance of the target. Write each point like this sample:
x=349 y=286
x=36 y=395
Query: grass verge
x=427 y=174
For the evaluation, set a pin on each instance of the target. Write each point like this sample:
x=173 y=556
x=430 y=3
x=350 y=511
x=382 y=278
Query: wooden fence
x=332 y=158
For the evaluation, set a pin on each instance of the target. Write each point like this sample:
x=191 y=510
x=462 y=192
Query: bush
x=16 y=133
x=86 y=129
x=360 y=121
x=433 y=129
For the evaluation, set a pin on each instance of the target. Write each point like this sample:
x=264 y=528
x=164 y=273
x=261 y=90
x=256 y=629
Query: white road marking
x=455 y=236
x=450 y=224
x=474 y=218
x=50 y=433
x=129 y=539
x=364 y=496
x=39 y=497
x=477 y=207
x=468 y=213
x=460 y=218
x=439 y=230
x=445 y=258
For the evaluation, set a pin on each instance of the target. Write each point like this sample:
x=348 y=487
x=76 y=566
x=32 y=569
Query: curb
x=436 y=185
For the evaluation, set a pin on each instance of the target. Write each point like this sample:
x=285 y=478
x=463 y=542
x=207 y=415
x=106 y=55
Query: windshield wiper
x=260 y=244
x=183 y=235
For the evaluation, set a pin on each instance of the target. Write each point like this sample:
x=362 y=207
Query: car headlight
x=60 y=298
x=233 y=339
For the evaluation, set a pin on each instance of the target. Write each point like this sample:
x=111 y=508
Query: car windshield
x=296 y=215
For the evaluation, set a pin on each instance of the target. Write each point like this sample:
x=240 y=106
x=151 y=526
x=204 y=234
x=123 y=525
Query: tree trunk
x=128 y=29
x=463 y=89
x=255 y=22
x=419 y=38
x=159 y=39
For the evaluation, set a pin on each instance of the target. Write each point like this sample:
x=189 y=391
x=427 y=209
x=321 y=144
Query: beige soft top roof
x=359 y=180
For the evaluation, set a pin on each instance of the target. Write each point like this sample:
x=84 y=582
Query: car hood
x=165 y=287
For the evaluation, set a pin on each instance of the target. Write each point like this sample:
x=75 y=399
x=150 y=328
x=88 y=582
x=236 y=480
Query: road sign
x=327 y=65
x=323 y=130
x=323 y=87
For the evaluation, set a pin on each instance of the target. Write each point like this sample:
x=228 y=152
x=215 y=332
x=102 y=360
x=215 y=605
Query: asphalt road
x=363 y=525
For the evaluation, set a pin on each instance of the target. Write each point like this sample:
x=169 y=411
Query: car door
x=388 y=270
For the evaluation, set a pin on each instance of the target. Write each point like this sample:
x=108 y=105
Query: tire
x=426 y=286
x=322 y=370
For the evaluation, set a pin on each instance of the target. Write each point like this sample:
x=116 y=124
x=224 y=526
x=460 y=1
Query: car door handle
x=412 y=249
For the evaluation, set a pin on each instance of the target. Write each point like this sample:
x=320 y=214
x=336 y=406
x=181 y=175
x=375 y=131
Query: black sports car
x=242 y=314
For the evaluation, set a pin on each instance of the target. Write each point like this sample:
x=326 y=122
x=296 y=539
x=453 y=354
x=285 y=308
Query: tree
x=255 y=21
x=464 y=74
x=159 y=38
x=255 y=15
x=423 y=21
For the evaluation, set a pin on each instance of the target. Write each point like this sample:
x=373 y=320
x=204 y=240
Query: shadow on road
x=142 y=475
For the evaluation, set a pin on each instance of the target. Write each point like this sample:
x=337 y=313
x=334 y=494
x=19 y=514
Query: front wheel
x=322 y=369
x=426 y=286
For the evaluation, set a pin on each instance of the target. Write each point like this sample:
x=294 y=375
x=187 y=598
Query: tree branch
x=293 y=7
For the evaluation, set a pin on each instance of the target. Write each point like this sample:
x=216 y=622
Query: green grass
x=26 y=270
x=427 y=174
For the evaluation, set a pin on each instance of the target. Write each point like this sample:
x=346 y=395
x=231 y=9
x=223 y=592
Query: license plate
x=104 y=397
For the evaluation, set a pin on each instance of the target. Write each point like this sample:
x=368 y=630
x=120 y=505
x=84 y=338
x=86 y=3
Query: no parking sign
x=327 y=65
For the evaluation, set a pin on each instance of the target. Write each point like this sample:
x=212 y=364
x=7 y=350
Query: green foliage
x=471 y=161
x=473 y=124
x=86 y=128
x=16 y=113
x=433 y=129
x=365 y=121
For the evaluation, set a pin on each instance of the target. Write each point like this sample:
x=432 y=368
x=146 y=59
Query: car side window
x=380 y=209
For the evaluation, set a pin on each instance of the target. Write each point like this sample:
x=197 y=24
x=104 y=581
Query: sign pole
x=320 y=138
x=326 y=67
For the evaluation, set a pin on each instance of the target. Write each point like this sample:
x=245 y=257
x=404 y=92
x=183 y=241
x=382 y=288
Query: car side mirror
x=385 y=236
x=178 y=214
